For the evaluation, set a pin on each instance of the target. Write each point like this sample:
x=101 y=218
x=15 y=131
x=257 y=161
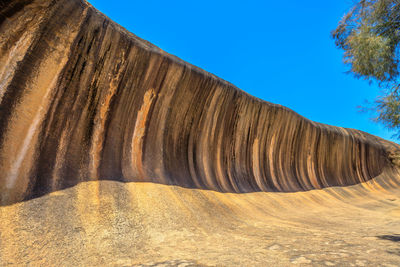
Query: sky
x=279 y=51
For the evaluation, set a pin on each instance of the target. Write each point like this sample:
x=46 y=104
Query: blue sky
x=279 y=51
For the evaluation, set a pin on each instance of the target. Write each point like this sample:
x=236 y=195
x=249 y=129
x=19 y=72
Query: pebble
x=274 y=247
x=301 y=260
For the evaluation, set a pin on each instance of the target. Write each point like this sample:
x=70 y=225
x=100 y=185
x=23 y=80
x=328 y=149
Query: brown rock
x=101 y=124
x=83 y=99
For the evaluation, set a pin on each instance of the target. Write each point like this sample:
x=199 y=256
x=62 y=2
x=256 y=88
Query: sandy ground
x=123 y=224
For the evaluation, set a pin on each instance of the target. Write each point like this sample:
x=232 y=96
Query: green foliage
x=388 y=108
x=369 y=34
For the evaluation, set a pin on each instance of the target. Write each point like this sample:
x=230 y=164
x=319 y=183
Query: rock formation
x=82 y=99
x=107 y=144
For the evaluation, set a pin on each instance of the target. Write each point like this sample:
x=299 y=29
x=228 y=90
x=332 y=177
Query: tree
x=369 y=34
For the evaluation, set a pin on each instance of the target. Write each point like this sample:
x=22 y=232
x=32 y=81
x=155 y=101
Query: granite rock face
x=82 y=99
x=119 y=139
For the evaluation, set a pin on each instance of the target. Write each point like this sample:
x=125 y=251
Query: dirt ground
x=110 y=223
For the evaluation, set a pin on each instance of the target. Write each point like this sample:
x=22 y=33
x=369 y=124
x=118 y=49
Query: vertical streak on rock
x=202 y=142
x=213 y=128
x=138 y=135
x=29 y=113
x=133 y=166
x=256 y=165
x=18 y=38
x=321 y=145
x=157 y=126
x=218 y=122
x=102 y=115
x=9 y=62
x=59 y=147
x=228 y=124
x=311 y=157
x=271 y=160
x=19 y=156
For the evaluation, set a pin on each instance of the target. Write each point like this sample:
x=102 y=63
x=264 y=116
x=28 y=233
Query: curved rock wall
x=83 y=99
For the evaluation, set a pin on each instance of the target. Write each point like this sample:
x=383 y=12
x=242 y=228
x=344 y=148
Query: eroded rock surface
x=116 y=153
x=82 y=99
